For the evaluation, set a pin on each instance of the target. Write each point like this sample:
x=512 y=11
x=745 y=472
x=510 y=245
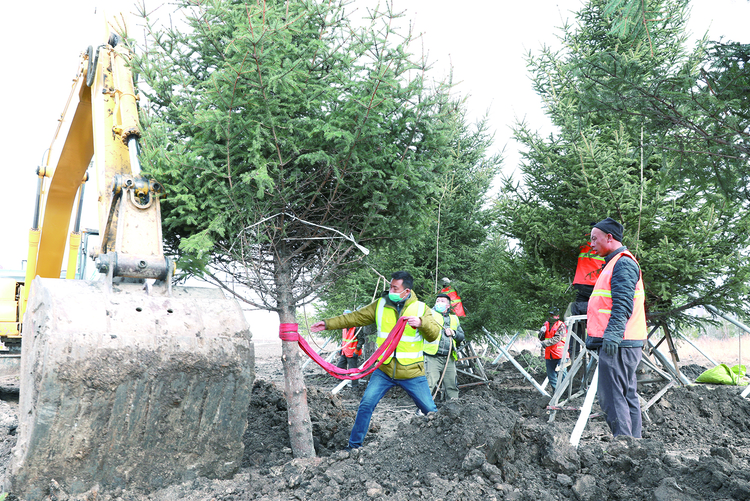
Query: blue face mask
x=440 y=307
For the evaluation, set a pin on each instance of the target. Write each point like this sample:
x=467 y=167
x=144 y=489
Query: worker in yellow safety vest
x=405 y=368
x=436 y=360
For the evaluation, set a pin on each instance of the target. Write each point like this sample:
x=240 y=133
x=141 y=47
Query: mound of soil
x=494 y=442
x=267 y=436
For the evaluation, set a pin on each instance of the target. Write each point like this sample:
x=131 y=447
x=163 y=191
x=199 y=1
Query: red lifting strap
x=288 y=332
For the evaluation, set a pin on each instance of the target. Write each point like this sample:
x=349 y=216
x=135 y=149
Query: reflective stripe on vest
x=409 y=349
x=600 y=304
x=588 y=267
x=431 y=347
x=554 y=352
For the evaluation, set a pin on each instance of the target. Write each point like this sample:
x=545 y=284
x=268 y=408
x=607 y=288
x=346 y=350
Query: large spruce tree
x=651 y=134
x=454 y=228
x=283 y=131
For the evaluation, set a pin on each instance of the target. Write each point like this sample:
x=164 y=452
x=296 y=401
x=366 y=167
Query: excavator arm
x=105 y=126
x=126 y=382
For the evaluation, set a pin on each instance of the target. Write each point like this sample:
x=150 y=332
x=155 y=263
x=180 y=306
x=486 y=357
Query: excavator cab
x=126 y=381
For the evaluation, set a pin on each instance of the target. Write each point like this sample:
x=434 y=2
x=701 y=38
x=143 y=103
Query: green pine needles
x=271 y=123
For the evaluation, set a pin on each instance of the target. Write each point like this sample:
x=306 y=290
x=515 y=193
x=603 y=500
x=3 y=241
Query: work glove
x=610 y=347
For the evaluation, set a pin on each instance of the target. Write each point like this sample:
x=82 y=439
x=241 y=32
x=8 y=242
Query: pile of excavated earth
x=494 y=442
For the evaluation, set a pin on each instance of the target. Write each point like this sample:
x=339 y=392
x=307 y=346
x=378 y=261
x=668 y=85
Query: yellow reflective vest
x=409 y=348
x=431 y=347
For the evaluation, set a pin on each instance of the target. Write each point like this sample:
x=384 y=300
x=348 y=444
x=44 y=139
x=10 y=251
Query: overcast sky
x=485 y=42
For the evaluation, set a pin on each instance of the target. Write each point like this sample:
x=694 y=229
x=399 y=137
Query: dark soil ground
x=495 y=442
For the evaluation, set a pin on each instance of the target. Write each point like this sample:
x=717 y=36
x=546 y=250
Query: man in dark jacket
x=617 y=328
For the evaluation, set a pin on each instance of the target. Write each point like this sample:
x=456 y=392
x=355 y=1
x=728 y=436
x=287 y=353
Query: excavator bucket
x=135 y=388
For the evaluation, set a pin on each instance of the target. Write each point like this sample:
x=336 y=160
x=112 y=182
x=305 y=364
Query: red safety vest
x=456 y=304
x=349 y=343
x=600 y=304
x=556 y=350
x=589 y=266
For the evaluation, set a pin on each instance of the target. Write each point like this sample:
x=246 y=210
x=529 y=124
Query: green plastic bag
x=723 y=374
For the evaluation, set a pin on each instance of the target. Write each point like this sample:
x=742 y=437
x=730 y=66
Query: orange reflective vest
x=456 y=305
x=589 y=266
x=600 y=304
x=556 y=350
x=349 y=343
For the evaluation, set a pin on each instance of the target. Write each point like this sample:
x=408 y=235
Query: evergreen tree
x=283 y=133
x=701 y=104
x=619 y=151
x=447 y=241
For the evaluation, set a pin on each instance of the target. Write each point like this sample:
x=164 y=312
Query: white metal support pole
x=319 y=352
x=666 y=363
x=698 y=349
x=735 y=322
x=340 y=386
x=516 y=364
x=575 y=437
x=507 y=347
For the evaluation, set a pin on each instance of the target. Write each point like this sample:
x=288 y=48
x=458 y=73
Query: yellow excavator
x=125 y=382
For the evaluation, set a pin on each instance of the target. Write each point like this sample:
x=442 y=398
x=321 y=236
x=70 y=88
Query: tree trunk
x=298 y=414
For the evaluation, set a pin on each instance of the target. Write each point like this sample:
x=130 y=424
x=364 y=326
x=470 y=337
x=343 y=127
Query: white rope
x=364 y=250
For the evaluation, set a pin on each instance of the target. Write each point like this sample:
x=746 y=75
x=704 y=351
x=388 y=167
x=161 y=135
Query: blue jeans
x=552 y=372
x=378 y=386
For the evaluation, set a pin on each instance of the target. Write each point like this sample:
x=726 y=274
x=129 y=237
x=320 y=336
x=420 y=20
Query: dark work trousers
x=617 y=391
x=349 y=363
x=583 y=292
